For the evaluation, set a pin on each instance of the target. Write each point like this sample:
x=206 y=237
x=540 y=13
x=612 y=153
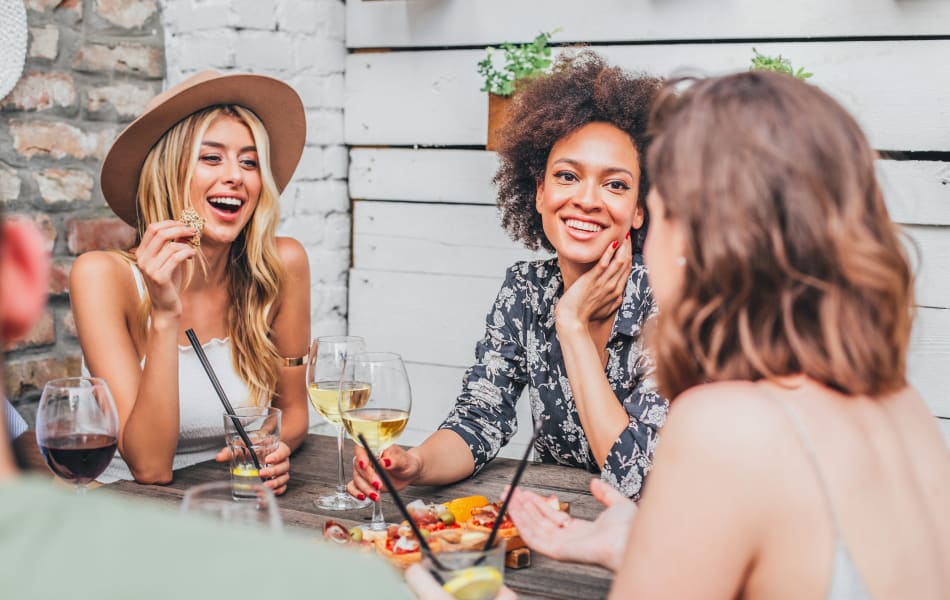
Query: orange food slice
x=461 y=508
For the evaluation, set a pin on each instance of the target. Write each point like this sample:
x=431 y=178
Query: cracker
x=191 y=218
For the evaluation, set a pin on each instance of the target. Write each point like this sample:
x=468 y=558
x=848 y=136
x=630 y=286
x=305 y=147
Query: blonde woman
x=199 y=176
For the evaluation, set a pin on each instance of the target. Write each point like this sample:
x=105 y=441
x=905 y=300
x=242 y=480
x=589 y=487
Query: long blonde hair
x=254 y=272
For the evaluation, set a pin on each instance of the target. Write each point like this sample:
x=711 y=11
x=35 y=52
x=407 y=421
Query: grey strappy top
x=846 y=581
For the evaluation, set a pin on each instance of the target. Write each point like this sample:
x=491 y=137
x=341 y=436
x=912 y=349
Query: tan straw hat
x=273 y=101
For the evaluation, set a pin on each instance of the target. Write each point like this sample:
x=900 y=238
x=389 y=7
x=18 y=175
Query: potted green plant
x=764 y=62
x=502 y=69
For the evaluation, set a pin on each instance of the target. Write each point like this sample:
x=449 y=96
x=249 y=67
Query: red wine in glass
x=76 y=428
x=80 y=457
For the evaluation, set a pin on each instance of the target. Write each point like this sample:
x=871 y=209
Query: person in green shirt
x=55 y=544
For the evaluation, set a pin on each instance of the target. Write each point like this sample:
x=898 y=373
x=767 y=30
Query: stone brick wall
x=301 y=42
x=91 y=67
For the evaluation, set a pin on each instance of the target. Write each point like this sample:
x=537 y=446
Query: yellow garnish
x=474 y=583
x=244 y=471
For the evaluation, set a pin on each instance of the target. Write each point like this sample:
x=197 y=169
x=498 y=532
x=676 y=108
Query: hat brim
x=276 y=104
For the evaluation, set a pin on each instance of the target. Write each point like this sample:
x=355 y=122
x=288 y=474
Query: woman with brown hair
x=569 y=329
x=199 y=176
x=796 y=462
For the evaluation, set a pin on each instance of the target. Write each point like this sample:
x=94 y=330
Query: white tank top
x=201 y=423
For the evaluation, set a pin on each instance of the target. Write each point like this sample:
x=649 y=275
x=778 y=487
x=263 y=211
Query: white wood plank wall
x=428 y=251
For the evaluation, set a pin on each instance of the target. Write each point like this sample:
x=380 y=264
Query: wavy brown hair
x=793 y=265
x=581 y=89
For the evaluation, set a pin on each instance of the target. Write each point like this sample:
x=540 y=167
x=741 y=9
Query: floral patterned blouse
x=521 y=348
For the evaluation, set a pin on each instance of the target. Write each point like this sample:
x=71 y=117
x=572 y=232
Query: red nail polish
x=361 y=496
x=614 y=244
x=628 y=235
x=377 y=485
x=362 y=465
x=374 y=496
x=387 y=463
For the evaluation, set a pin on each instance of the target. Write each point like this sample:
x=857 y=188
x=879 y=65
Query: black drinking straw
x=514 y=483
x=399 y=504
x=190 y=334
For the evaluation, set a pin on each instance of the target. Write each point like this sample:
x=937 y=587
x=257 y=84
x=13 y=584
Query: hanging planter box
x=498 y=109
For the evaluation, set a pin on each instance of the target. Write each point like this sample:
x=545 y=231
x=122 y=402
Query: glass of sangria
x=382 y=414
x=77 y=428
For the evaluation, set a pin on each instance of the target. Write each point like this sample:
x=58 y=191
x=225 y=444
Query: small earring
x=681 y=261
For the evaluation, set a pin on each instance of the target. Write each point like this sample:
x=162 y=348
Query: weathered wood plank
x=944 y=425
x=450 y=239
x=463 y=22
x=441 y=326
x=929 y=356
x=930 y=253
x=433 y=97
x=432 y=319
x=917 y=192
x=468 y=240
x=462 y=176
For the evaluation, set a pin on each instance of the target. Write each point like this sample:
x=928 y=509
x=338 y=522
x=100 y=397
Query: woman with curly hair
x=569 y=329
x=199 y=176
x=797 y=461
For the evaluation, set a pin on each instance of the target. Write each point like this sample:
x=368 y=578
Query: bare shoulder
x=102 y=290
x=723 y=420
x=293 y=256
x=98 y=270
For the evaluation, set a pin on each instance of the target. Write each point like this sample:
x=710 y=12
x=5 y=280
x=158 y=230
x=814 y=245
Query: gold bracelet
x=294 y=362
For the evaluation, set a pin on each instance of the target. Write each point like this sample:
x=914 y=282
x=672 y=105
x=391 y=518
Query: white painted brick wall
x=301 y=42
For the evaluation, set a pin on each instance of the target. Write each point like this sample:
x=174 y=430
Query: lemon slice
x=244 y=471
x=474 y=583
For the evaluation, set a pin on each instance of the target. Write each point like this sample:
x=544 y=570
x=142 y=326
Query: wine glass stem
x=340 y=486
x=378 y=523
x=81 y=489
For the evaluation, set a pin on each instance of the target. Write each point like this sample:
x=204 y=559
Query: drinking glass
x=262 y=426
x=380 y=411
x=470 y=574
x=324 y=372
x=77 y=428
x=254 y=505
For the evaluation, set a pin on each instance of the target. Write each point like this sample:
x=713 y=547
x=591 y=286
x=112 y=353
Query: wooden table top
x=314 y=473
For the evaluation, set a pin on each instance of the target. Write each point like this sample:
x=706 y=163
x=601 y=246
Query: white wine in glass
x=324 y=372
x=380 y=426
x=382 y=416
x=324 y=397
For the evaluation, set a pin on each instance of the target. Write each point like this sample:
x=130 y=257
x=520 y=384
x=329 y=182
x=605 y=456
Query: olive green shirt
x=55 y=544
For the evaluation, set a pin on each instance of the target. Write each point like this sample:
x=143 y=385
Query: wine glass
x=324 y=372
x=77 y=428
x=379 y=405
x=241 y=504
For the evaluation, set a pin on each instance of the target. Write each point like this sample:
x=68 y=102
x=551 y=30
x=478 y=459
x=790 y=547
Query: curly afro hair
x=581 y=89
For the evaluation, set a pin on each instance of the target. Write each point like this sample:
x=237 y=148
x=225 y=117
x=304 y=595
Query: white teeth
x=226 y=201
x=583 y=225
